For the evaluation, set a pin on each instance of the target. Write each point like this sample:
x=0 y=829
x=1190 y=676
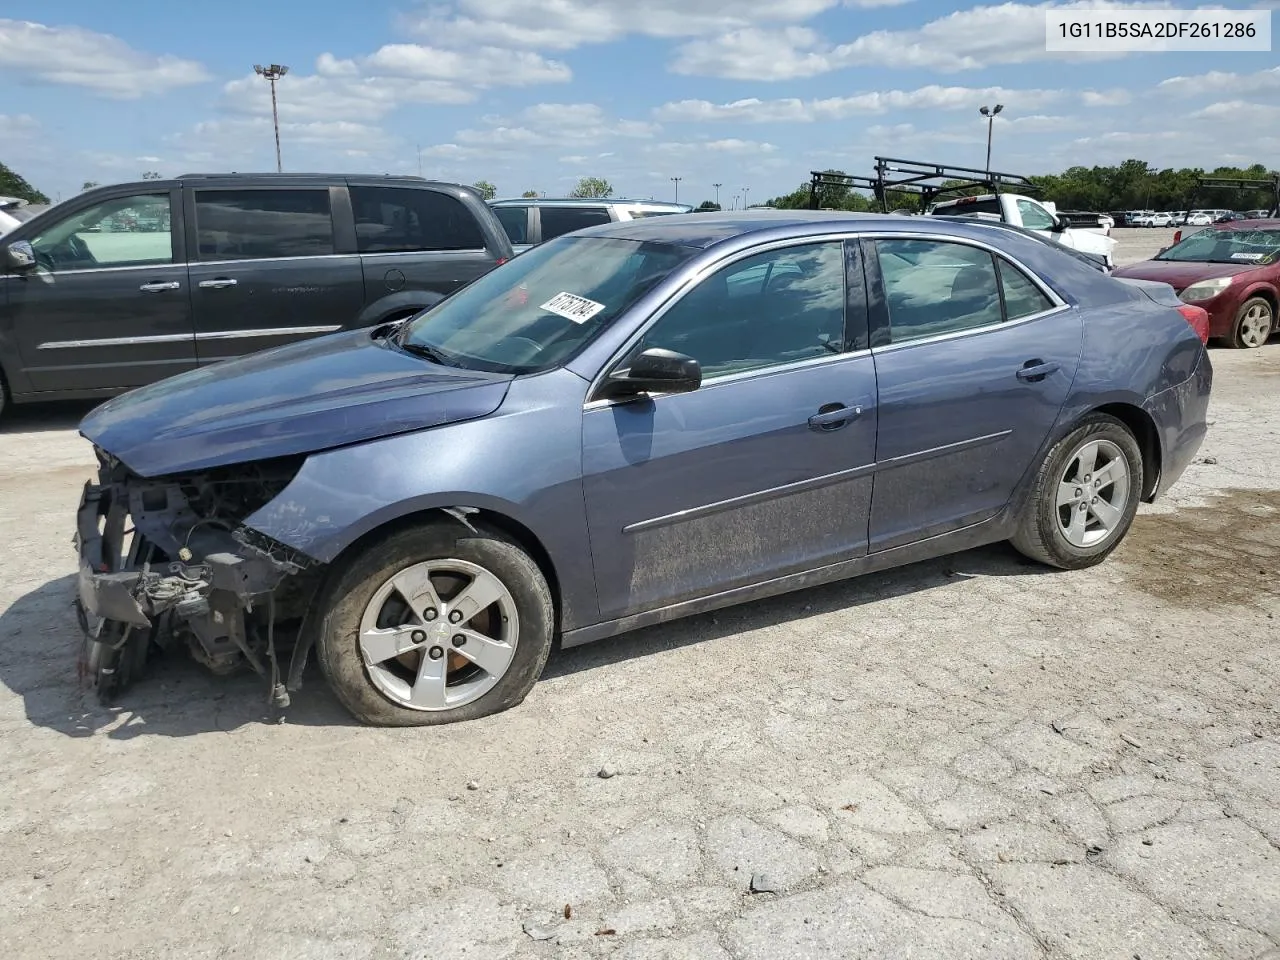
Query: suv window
x=514 y=220
x=934 y=287
x=400 y=219
x=256 y=224
x=1022 y=298
x=773 y=308
x=561 y=220
x=125 y=231
x=1034 y=216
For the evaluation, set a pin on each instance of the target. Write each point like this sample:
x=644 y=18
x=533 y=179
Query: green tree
x=13 y=185
x=592 y=187
x=151 y=175
x=708 y=206
x=90 y=184
x=486 y=189
x=529 y=194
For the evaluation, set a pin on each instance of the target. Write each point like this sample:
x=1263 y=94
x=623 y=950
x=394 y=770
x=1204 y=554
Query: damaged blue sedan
x=625 y=425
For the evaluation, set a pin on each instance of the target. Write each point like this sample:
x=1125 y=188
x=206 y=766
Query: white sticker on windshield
x=1249 y=256
x=572 y=307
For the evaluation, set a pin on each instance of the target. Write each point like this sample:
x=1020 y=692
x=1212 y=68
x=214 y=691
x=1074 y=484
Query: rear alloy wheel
x=1254 y=324
x=1084 y=497
x=434 y=625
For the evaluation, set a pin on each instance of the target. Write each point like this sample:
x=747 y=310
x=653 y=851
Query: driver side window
x=773 y=308
x=121 y=232
x=1034 y=216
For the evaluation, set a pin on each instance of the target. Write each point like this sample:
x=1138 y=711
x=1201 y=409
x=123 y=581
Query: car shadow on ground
x=45 y=417
x=40 y=643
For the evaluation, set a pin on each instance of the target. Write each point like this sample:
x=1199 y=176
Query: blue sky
x=532 y=94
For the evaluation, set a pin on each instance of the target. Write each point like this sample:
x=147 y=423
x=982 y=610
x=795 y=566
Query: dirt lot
x=972 y=757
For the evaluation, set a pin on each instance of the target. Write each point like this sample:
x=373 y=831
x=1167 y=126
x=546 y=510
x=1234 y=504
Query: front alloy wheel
x=434 y=624
x=1254 y=324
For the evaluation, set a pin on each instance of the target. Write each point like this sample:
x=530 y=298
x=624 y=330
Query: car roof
x=704 y=230
x=1269 y=223
x=584 y=201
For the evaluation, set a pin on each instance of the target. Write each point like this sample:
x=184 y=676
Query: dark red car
x=1230 y=269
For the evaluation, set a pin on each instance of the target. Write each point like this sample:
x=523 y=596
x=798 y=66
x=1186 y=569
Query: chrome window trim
x=387 y=254
x=156 y=265
x=692 y=281
x=314 y=256
x=266 y=332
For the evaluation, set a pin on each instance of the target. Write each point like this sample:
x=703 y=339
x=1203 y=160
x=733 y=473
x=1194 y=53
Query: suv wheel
x=435 y=624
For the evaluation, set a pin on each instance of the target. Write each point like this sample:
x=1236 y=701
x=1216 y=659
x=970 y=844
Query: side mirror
x=19 y=256
x=656 y=370
x=1060 y=224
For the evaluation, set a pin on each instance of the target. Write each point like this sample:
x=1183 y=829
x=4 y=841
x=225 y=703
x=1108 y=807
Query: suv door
x=265 y=268
x=106 y=306
x=766 y=468
x=556 y=221
x=417 y=239
x=970 y=382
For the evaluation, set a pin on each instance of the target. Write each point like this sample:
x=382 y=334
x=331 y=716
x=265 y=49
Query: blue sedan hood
x=295 y=399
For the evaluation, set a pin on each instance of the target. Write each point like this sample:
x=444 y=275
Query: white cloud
x=553 y=125
x=565 y=24
x=483 y=66
x=1105 y=98
x=15 y=126
x=964 y=40
x=1216 y=81
x=99 y=62
x=932 y=97
x=730 y=145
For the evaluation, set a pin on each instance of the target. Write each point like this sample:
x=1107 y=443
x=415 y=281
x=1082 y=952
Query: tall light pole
x=745 y=191
x=271 y=74
x=717 y=186
x=676 y=181
x=990 y=114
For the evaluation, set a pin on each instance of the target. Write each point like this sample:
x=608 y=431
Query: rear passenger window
x=1022 y=298
x=514 y=220
x=934 y=287
x=557 y=221
x=401 y=219
x=253 y=224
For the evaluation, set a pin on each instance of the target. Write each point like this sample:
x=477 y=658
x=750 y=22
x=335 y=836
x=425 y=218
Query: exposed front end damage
x=166 y=561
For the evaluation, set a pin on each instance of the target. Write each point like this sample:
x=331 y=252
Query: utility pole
x=676 y=181
x=717 y=186
x=991 y=119
x=271 y=74
x=745 y=191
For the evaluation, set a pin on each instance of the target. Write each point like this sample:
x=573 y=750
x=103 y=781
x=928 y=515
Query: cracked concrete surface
x=971 y=757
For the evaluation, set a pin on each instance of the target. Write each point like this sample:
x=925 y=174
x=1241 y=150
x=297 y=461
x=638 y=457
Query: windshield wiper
x=428 y=353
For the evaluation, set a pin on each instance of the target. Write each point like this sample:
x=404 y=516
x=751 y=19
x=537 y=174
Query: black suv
x=127 y=284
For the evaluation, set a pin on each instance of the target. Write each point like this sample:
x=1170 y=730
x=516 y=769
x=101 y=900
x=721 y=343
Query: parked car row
x=1190 y=218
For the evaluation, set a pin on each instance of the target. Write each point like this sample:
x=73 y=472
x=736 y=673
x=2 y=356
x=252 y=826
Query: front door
x=107 y=306
x=970 y=382
x=765 y=469
x=265 y=270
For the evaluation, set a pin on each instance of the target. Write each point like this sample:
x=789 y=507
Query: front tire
x=435 y=624
x=1084 y=496
x=1254 y=324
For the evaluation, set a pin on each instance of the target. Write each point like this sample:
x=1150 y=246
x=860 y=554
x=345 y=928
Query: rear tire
x=1084 y=496
x=1255 y=322
x=391 y=622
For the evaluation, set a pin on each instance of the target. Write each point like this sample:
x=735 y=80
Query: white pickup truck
x=1029 y=214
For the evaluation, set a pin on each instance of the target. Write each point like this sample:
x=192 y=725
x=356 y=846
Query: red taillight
x=1198 y=317
x=1177 y=236
x=501 y=261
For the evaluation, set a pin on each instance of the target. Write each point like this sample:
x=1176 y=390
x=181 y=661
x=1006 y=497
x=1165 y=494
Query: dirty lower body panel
x=166 y=562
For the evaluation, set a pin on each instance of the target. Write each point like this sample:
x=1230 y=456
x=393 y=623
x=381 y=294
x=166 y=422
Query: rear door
x=107 y=306
x=517 y=221
x=265 y=268
x=970 y=381
x=417 y=238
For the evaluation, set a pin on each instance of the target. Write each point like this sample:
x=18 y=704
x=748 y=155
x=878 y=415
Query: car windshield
x=532 y=313
x=1227 y=246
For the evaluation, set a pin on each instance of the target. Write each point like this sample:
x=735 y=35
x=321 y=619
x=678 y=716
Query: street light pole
x=271 y=74
x=676 y=181
x=745 y=191
x=717 y=186
x=990 y=114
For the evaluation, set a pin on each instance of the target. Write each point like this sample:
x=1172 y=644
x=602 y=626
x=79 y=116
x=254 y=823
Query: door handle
x=833 y=416
x=216 y=284
x=1033 y=371
x=158 y=286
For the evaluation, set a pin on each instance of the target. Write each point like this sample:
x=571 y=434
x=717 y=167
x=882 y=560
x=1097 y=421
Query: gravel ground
x=971 y=757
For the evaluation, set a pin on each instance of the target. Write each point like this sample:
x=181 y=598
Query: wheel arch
x=1268 y=293
x=397 y=305
x=1144 y=430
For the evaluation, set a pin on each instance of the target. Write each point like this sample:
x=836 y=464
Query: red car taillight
x=1177 y=236
x=1198 y=317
